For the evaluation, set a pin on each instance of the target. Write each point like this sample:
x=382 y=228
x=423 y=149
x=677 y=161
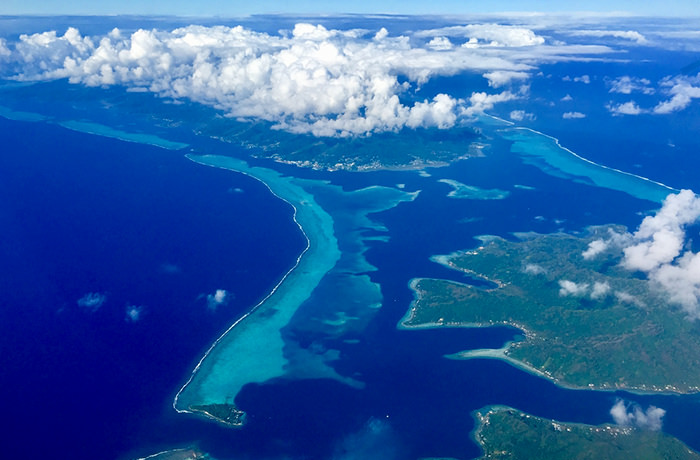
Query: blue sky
x=233 y=8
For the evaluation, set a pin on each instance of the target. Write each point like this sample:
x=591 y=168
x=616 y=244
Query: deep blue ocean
x=146 y=227
x=146 y=230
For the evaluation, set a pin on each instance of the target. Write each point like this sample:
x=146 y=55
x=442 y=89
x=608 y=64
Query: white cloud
x=133 y=313
x=489 y=35
x=594 y=248
x=520 y=115
x=626 y=297
x=220 y=297
x=632 y=35
x=627 y=108
x=313 y=80
x=92 y=301
x=569 y=288
x=600 y=290
x=499 y=78
x=481 y=102
x=633 y=416
x=440 y=43
x=573 y=115
x=4 y=50
x=567 y=98
x=682 y=91
x=659 y=249
x=628 y=85
x=534 y=269
x=660 y=238
x=586 y=79
x=613 y=241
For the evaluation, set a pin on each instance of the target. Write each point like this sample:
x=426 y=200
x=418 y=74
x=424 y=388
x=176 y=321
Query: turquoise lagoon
x=328 y=290
x=312 y=328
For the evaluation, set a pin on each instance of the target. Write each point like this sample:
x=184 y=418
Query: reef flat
x=179 y=454
x=613 y=331
x=327 y=293
x=251 y=350
x=506 y=433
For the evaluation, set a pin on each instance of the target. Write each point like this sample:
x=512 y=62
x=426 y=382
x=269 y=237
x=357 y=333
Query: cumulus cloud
x=133 y=313
x=481 y=101
x=632 y=35
x=659 y=249
x=499 y=78
x=489 y=35
x=534 y=269
x=627 y=108
x=316 y=80
x=586 y=79
x=682 y=90
x=660 y=238
x=311 y=79
x=631 y=415
x=92 y=301
x=600 y=290
x=629 y=85
x=595 y=247
x=567 y=98
x=440 y=43
x=220 y=297
x=520 y=115
x=626 y=297
x=573 y=115
x=4 y=50
x=570 y=288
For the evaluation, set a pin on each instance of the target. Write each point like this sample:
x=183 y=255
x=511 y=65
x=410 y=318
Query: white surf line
x=216 y=342
x=510 y=123
x=594 y=163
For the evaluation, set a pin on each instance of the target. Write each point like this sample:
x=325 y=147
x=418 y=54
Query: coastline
x=187 y=453
x=541 y=150
x=95 y=129
x=250 y=336
x=506 y=432
x=637 y=176
x=106 y=131
x=501 y=354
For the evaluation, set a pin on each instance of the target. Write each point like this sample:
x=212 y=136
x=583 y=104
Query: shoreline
x=254 y=308
x=124 y=136
x=190 y=453
x=245 y=344
x=501 y=354
x=609 y=168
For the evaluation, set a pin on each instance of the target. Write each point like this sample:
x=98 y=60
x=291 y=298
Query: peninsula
x=506 y=433
x=586 y=323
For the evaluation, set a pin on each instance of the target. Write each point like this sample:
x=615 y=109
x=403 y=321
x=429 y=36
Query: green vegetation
x=227 y=414
x=406 y=149
x=205 y=128
x=506 y=433
x=587 y=323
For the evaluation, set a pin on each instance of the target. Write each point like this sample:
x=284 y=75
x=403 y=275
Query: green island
x=506 y=433
x=586 y=323
x=228 y=414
